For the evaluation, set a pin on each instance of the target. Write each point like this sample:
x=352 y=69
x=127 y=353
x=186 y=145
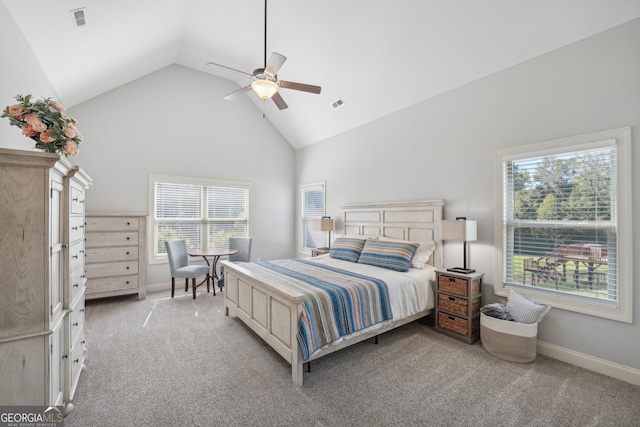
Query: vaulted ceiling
x=378 y=56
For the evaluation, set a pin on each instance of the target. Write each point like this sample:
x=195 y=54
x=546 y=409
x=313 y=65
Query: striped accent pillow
x=392 y=255
x=346 y=249
x=523 y=310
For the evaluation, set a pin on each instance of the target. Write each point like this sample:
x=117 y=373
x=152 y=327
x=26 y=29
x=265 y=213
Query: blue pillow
x=391 y=255
x=346 y=249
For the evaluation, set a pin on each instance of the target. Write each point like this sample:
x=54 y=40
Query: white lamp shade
x=463 y=230
x=264 y=88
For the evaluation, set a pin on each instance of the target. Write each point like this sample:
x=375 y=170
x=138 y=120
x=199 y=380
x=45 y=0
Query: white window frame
x=153 y=178
x=620 y=311
x=304 y=188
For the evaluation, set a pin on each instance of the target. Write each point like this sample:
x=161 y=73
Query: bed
x=268 y=297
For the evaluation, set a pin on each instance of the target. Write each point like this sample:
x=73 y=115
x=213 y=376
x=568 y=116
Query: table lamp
x=460 y=229
x=324 y=224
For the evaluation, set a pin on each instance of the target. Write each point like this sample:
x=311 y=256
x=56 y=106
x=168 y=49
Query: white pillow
x=523 y=310
x=423 y=252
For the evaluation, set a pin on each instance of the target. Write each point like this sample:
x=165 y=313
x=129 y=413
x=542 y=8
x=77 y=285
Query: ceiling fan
x=265 y=80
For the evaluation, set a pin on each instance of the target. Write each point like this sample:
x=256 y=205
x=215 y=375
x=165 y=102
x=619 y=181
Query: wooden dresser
x=458 y=302
x=115 y=254
x=42 y=285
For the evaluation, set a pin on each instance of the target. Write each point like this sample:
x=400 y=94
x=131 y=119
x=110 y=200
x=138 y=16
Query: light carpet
x=182 y=362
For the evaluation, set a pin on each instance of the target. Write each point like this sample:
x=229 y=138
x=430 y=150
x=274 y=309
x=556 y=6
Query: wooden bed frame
x=272 y=310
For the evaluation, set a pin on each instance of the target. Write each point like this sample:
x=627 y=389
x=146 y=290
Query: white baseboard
x=160 y=287
x=601 y=366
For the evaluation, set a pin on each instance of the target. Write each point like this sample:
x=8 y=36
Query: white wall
x=175 y=122
x=21 y=75
x=443 y=148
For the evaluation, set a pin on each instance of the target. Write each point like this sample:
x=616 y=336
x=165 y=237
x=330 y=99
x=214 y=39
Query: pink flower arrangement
x=45 y=121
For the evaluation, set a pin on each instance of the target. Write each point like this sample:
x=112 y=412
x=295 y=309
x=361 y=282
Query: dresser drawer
x=111 y=239
x=458 y=305
x=76 y=362
x=126 y=253
x=76 y=319
x=76 y=228
x=76 y=255
x=458 y=325
x=112 y=223
x=76 y=285
x=111 y=269
x=108 y=284
x=77 y=200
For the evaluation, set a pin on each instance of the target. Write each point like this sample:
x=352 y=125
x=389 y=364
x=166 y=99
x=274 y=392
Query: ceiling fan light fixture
x=264 y=88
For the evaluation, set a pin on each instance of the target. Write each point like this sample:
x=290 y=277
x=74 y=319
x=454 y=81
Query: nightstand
x=319 y=251
x=458 y=302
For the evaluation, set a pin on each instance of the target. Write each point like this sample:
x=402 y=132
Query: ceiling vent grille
x=78 y=18
x=339 y=103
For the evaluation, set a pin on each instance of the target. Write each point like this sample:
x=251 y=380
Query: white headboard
x=415 y=221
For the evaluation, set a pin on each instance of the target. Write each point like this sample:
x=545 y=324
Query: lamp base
x=461 y=270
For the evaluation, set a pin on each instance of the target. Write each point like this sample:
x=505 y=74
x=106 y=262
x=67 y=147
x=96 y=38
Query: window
x=564 y=212
x=312 y=197
x=205 y=213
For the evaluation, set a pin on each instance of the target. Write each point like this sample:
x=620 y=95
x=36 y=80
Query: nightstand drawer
x=458 y=325
x=458 y=305
x=458 y=286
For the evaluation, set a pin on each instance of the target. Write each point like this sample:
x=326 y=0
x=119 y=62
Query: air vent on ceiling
x=339 y=103
x=78 y=17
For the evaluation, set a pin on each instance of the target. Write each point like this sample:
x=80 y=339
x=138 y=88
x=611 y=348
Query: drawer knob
x=127 y=282
x=451 y=318
x=75 y=285
x=452 y=299
x=75 y=199
x=451 y=279
x=76 y=360
x=75 y=324
x=75 y=256
x=66 y=356
x=128 y=223
x=128 y=252
x=74 y=228
x=127 y=267
x=128 y=238
x=81 y=310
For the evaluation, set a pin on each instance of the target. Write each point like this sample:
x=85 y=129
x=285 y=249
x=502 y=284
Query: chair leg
x=193 y=285
x=213 y=285
x=208 y=283
x=186 y=285
x=173 y=286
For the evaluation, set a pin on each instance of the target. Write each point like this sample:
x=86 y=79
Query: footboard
x=271 y=310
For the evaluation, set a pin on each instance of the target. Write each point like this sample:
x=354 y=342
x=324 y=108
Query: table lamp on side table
x=460 y=229
x=324 y=224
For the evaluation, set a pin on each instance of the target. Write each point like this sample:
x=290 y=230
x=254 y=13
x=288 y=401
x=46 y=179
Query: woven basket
x=512 y=341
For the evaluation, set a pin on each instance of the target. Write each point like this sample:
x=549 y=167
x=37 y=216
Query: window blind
x=204 y=215
x=559 y=216
x=312 y=208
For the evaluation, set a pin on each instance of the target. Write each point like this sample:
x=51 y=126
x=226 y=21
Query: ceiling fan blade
x=229 y=68
x=275 y=62
x=277 y=99
x=300 y=86
x=237 y=93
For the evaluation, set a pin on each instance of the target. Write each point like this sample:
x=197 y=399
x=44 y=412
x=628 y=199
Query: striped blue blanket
x=336 y=303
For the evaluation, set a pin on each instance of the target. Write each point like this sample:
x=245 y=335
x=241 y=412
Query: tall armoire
x=42 y=278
